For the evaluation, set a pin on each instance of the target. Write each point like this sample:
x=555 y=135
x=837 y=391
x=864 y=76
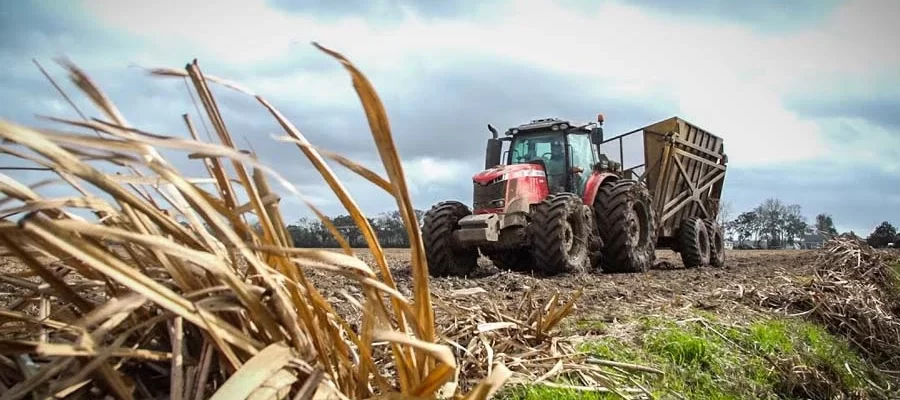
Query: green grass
x=538 y=392
x=702 y=359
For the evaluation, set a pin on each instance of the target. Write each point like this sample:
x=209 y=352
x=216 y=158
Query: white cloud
x=855 y=144
x=429 y=170
x=725 y=78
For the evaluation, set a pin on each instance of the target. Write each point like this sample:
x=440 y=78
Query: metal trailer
x=684 y=169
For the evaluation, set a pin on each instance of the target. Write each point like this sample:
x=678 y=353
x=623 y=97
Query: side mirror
x=597 y=135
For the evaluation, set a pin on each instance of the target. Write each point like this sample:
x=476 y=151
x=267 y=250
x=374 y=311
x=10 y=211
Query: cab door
x=581 y=155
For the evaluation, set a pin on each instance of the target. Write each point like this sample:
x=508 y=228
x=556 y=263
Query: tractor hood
x=504 y=172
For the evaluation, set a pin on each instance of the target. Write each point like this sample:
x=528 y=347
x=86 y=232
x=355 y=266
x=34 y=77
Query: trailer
x=684 y=170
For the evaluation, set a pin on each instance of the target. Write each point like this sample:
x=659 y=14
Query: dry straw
x=854 y=291
x=171 y=294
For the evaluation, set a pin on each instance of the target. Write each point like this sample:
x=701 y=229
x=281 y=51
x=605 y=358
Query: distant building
x=814 y=241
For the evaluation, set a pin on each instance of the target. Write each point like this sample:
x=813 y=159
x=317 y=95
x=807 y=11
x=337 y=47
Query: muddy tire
x=518 y=260
x=716 y=244
x=694 y=243
x=559 y=234
x=595 y=243
x=627 y=227
x=444 y=259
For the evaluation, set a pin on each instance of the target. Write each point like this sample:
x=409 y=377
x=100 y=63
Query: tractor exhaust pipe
x=493 y=131
x=494 y=150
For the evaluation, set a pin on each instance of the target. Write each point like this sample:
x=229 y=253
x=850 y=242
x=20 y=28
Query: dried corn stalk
x=166 y=290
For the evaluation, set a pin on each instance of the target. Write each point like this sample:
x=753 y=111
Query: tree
x=389 y=229
x=772 y=215
x=773 y=221
x=825 y=226
x=883 y=234
x=794 y=224
x=747 y=225
x=724 y=213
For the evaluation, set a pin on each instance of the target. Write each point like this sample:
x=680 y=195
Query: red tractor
x=558 y=204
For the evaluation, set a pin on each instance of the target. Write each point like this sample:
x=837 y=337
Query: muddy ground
x=610 y=297
x=606 y=297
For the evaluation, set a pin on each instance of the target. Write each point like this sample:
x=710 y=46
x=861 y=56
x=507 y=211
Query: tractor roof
x=542 y=124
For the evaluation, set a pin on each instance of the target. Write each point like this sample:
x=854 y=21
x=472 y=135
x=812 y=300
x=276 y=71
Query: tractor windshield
x=546 y=146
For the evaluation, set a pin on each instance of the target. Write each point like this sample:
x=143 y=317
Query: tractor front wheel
x=694 y=243
x=443 y=256
x=559 y=234
x=627 y=226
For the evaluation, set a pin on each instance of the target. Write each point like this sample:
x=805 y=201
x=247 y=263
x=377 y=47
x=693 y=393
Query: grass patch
x=767 y=359
x=538 y=392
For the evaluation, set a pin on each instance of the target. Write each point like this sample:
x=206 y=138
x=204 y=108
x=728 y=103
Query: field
x=616 y=296
x=709 y=332
x=157 y=306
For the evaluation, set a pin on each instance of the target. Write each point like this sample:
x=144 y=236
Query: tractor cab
x=567 y=154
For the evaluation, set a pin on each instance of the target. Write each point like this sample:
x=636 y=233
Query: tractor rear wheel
x=443 y=256
x=693 y=243
x=716 y=244
x=627 y=226
x=559 y=234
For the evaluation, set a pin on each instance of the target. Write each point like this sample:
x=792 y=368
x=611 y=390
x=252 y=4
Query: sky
x=806 y=97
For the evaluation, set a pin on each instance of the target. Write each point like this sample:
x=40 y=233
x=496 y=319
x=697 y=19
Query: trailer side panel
x=685 y=170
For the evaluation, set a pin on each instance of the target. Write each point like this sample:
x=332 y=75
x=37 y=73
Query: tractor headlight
x=563 y=126
x=555 y=127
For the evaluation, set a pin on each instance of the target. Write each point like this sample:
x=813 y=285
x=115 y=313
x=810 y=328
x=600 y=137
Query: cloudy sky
x=807 y=97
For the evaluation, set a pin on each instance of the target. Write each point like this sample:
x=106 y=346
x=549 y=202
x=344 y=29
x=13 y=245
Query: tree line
x=771 y=224
x=388 y=228
x=779 y=224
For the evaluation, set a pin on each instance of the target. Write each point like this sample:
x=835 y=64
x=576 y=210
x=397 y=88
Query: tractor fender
x=593 y=185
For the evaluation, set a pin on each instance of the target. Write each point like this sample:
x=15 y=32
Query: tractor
x=553 y=203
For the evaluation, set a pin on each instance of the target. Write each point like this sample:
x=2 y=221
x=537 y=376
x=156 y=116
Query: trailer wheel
x=694 y=242
x=443 y=256
x=627 y=226
x=559 y=234
x=716 y=244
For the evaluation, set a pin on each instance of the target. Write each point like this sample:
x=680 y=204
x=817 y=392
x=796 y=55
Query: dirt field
x=609 y=308
x=610 y=297
x=606 y=297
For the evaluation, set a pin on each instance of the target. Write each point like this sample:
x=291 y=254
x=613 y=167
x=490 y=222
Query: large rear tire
x=627 y=226
x=694 y=243
x=559 y=234
x=443 y=256
x=716 y=244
